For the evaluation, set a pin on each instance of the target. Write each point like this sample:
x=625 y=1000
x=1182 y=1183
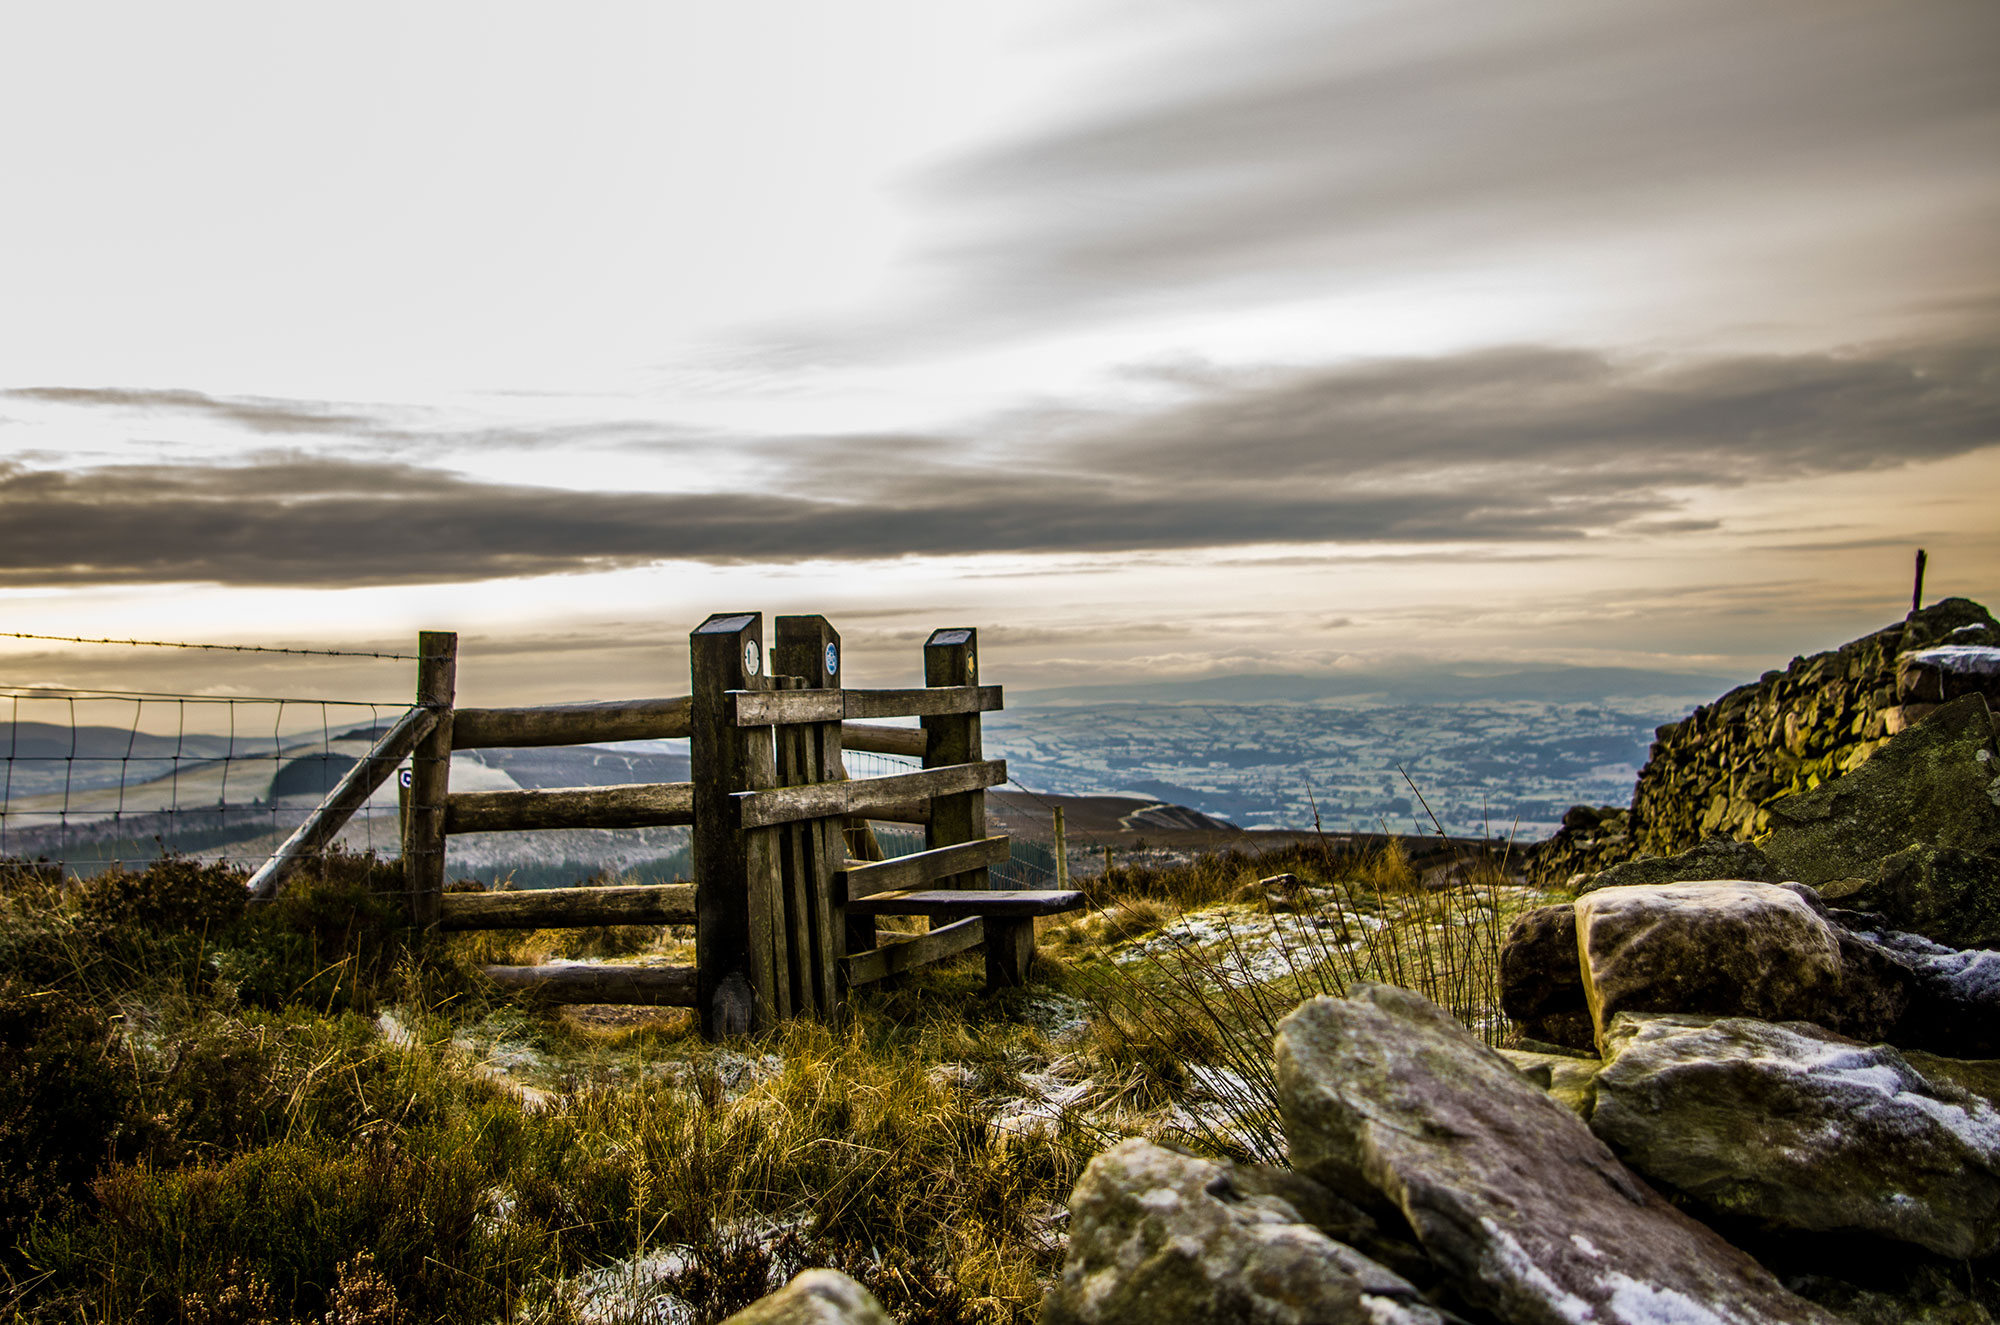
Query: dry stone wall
x=1716 y=772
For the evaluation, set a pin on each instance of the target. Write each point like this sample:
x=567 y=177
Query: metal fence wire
x=90 y=779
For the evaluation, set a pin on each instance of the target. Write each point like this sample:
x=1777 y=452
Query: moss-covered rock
x=1802 y=1129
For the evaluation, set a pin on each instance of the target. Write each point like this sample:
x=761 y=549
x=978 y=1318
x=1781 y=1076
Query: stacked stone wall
x=1715 y=771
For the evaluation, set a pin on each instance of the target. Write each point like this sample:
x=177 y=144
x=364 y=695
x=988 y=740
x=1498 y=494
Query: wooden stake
x=1062 y=851
x=732 y=976
x=430 y=777
x=1917 y=594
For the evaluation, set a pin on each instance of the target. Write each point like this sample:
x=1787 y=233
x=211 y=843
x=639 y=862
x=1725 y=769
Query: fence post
x=951 y=658
x=734 y=991
x=808 y=647
x=430 y=778
x=1062 y=851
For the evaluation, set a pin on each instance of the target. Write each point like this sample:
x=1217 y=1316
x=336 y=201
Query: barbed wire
x=220 y=648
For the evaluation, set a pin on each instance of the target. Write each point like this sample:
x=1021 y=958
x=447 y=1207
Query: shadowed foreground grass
x=301 y=1112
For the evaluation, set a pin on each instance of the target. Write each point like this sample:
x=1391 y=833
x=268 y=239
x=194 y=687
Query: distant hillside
x=1417 y=684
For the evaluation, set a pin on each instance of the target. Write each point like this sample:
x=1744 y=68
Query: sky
x=1156 y=340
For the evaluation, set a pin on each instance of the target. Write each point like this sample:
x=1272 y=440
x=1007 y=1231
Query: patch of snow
x=1249 y=944
x=634 y=1290
x=1636 y=1303
x=1057 y=1016
x=1511 y=1256
x=1973 y=659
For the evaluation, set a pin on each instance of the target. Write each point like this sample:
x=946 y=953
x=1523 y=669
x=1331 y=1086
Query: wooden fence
x=784 y=916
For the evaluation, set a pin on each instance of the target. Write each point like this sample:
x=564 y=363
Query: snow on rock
x=1802 y=1129
x=1976 y=659
x=1527 y=1213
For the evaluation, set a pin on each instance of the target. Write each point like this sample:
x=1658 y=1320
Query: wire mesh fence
x=90 y=779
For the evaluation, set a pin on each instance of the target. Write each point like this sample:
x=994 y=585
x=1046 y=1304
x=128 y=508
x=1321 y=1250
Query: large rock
x=1729 y=947
x=815 y=1297
x=1935 y=785
x=1803 y=1129
x=1161 y=1235
x=1716 y=858
x=1541 y=980
x=1528 y=1214
x=1947 y=895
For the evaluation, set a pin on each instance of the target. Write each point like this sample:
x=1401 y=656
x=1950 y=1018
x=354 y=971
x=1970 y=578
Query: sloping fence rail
x=787 y=884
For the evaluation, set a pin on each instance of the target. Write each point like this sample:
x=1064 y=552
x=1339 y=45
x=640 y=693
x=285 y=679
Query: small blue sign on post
x=832 y=659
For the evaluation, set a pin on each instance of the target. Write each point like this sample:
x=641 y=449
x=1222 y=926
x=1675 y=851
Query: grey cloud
x=1309 y=143
x=391 y=427
x=1526 y=445
x=257 y=413
x=1568 y=411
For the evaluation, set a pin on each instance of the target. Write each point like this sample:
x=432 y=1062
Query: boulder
x=1527 y=1213
x=815 y=1297
x=1947 y=895
x=1159 y=1234
x=1953 y=994
x=1729 y=947
x=1801 y=1129
x=1715 y=858
x=1935 y=785
x=1541 y=981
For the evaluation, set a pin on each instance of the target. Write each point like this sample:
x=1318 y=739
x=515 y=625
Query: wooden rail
x=894 y=954
x=656 y=986
x=570 y=908
x=628 y=805
x=865 y=878
x=573 y=724
x=764 y=708
x=348 y=795
x=989 y=902
x=828 y=800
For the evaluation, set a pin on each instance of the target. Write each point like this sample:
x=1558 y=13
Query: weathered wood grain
x=573 y=724
x=978 y=902
x=865 y=878
x=570 y=908
x=627 y=805
x=896 y=953
x=759 y=809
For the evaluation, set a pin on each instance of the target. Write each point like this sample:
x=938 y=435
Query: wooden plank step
x=865 y=878
x=896 y=953
x=966 y=902
x=570 y=908
x=653 y=986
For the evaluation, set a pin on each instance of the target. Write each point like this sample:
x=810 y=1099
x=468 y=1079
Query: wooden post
x=808 y=647
x=1062 y=851
x=1917 y=594
x=951 y=658
x=430 y=777
x=734 y=989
